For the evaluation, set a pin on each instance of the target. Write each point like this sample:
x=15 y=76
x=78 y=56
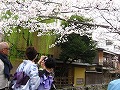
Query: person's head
x=4 y=48
x=49 y=64
x=31 y=53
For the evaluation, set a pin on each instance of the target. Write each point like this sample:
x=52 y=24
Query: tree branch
x=84 y=23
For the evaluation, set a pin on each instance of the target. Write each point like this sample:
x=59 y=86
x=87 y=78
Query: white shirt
x=3 y=80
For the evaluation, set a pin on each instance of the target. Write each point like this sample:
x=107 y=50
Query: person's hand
x=41 y=61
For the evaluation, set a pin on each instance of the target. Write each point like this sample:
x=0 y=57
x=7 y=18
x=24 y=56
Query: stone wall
x=90 y=87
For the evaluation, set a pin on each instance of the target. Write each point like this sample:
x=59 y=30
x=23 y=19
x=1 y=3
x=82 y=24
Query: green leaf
x=64 y=24
x=38 y=19
x=47 y=21
x=6 y=15
x=80 y=18
x=8 y=12
x=15 y=17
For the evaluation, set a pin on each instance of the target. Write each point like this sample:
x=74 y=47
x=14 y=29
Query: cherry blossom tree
x=46 y=15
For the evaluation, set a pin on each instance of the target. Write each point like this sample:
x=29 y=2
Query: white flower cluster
x=25 y=12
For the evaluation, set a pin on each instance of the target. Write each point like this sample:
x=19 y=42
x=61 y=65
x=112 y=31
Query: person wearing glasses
x=5 y=65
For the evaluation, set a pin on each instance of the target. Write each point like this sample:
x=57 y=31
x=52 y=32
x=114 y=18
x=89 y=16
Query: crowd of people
x=31 y=74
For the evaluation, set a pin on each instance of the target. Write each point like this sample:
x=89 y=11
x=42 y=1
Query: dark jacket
x=7 y=65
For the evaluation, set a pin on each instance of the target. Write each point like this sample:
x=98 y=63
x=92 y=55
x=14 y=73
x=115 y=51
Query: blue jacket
x=31 y=70
x=114 y=85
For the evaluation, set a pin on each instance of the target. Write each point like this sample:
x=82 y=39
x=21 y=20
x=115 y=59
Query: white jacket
x=3 y=80
x=31 y=70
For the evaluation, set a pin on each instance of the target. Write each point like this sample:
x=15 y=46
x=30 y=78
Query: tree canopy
x=77 y=47
x=30 y=12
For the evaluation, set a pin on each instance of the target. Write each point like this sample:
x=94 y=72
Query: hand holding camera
x=41 y=61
